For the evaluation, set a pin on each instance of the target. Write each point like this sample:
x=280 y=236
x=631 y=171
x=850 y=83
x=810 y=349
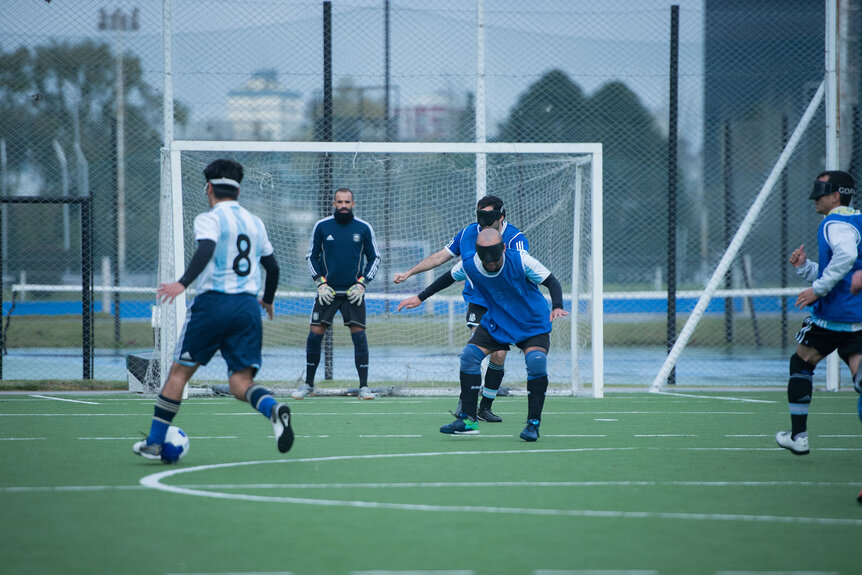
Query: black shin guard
x=470 y=384
x=536 y=390
x=799 y=390
x=493 y=381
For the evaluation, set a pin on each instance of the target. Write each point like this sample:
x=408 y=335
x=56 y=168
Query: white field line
x=743 y=399
x=415 y=572
x=776 y=573
x=196 y=437
x=666 y=435
x=154 y=481
x=595 y=572
x=236 y=573
x=389 y=435
x=437 y=415
x=64 y=399
x=443 y=485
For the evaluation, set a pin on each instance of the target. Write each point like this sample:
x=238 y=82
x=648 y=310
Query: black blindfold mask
x=826 y=188
x=486 y=218
x=490 y=254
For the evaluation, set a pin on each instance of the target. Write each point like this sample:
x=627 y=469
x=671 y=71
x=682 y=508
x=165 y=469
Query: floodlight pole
x=833 y=373
x=481 y=136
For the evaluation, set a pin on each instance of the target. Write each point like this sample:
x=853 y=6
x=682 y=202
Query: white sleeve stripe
x=311 y=269
x=372 y=271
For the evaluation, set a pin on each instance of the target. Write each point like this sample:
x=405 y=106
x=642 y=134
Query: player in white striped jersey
x=225 y=315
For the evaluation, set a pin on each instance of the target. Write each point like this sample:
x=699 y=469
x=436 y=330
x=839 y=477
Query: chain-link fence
x=81 y=116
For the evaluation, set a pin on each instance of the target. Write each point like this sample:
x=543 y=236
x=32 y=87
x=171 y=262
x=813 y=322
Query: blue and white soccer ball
x=176 y=445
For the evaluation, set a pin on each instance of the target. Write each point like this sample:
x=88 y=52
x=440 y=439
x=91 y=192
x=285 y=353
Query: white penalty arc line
x=154 y=481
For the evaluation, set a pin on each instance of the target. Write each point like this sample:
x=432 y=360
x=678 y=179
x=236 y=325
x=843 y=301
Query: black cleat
x=281 y=427
x=488 y=416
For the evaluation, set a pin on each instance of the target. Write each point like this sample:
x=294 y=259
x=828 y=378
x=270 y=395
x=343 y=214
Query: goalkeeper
x=517 y=314
x=339 y=245
x=489 y=214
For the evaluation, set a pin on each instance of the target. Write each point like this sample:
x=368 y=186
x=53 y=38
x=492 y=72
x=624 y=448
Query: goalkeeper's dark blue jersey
x=463 y=245
x=343 y=253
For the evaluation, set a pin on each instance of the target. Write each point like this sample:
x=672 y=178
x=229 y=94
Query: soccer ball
x=176 y=445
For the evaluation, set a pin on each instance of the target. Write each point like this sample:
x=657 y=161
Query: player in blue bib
x=225 y=316
x=835 y=322
x=517 y=313
x=490 y=213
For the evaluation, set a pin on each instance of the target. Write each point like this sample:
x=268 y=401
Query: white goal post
x=416 y=196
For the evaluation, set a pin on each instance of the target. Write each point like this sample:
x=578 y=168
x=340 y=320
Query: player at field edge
x=339 y=244
x=490 y=213
x=517 y=314
x=232 y=246
x=836 y=315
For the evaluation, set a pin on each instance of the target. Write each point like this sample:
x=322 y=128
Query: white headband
x=225 y=182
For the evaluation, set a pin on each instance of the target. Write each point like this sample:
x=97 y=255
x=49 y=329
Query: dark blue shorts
x=351 y=314
x=230 y=323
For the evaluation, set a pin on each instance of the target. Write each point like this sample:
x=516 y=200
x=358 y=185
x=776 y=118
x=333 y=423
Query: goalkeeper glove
x=356 y=292
x=325 y=294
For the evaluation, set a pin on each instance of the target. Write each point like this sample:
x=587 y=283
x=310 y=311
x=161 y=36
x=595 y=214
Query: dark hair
x=223 y=168
x=493 y=201
x=343 y=190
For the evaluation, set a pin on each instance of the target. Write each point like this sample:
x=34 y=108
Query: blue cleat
x=463 y=425
x=531 y=431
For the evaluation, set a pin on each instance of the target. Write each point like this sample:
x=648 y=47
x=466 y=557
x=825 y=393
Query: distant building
x=262 y=109
x=431 y=118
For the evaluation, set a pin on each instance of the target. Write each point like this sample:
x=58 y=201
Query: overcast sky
x=218 y=43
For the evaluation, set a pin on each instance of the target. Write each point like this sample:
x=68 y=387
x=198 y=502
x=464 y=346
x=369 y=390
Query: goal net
x=416 y=197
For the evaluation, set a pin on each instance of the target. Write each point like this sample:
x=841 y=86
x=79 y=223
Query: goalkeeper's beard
x=344 y=217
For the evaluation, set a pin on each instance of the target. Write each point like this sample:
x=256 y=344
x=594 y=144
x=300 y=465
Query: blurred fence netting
x=81 y=115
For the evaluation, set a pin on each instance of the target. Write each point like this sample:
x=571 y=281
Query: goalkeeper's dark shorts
x=351 y=314
x=825 y=341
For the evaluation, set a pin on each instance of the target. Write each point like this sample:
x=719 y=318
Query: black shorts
x=825 y=341
x=474 y=314
x=483 y=339
x=351 y=314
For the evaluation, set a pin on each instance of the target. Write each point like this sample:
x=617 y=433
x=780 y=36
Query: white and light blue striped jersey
x=241 y=240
